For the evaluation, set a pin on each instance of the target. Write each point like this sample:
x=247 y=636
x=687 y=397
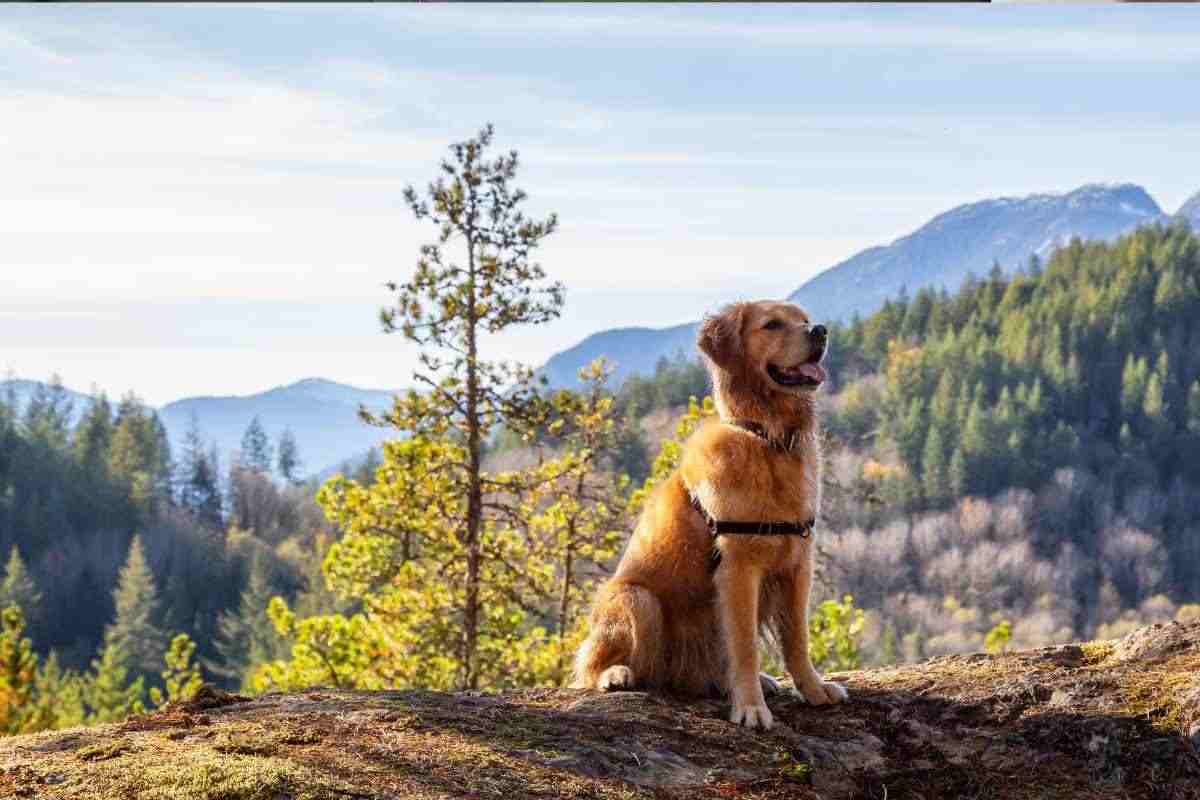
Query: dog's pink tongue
x=813 y=372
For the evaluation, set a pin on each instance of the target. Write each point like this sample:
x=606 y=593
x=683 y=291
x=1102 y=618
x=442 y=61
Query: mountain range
x=322 y=414
x=966 y=239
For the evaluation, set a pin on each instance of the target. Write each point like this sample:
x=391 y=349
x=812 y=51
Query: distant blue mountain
x=625 y=348
x=966 y=239
x=322 y=414
x=1190 y=211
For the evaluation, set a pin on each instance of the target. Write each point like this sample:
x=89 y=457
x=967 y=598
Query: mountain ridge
x=970 y=238
x=967 y=238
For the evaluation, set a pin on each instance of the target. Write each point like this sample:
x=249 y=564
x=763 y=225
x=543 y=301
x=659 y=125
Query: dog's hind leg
x=624 y=648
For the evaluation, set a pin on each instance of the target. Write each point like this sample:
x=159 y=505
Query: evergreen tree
x=108 y=693
x=58 y=699
x=47 y=419
x=935 y=476
x=289 y=457
x=476 y=279
x=18 y=672
x=93 y=434
x=135 y=633
x=256 y=447
x=1152 y=404
x=18 y=588
x=139 y=455
x=956 y=474
x=1134 y=379
x=245 y=637
x=200 y=493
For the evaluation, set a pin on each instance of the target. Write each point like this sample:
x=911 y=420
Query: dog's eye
x=773 y=325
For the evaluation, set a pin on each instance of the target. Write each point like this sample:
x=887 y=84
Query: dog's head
x=768 y=346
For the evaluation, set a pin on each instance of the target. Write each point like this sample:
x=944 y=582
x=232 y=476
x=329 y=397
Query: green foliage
x=997 y=638
x=135 y=633
x=18 y=672
x=246 y=636
x=256 y=450
x=71 y=500
x=554 y=527
x=182 y=677
x=672 y=449
x=31 y=698
x=108 y=693
x=139 y=456
x=58 y=698
x=18 y=588
x=200 y=492
x=834 y=631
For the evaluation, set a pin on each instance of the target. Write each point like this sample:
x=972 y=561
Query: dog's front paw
x=824 y=693
x=615 y=679
x=752 y=716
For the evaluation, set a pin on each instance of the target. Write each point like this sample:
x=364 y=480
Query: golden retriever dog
x=684 y=609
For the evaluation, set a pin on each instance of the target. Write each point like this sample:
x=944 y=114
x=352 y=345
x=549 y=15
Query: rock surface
x=1098 y=720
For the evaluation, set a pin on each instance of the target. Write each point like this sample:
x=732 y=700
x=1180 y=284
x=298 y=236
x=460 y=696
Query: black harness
x=717 y=528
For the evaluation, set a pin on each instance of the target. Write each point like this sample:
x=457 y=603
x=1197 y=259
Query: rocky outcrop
x=1098 y=720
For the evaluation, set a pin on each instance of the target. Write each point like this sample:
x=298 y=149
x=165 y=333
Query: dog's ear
x=720 y=336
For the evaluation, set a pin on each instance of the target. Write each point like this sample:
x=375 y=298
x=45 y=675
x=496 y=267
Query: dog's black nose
x=819 y=332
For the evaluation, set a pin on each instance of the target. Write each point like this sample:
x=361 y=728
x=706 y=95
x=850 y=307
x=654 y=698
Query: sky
x=198 y=199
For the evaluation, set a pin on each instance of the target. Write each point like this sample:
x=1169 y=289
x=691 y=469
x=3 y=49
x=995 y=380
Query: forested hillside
x=1068 y=395
x=113 y=546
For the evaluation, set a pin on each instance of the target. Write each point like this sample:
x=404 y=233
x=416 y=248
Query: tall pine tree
x=199 y=489
x=246 y=637
x=289 y=457
x=477 y=278
x=19 y=587
x=256 y=447
x=136 y=631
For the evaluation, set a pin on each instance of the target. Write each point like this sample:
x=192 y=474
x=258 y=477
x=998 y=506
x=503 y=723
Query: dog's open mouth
x=810 y=373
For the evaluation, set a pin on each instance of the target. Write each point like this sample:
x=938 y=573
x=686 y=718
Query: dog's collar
x=784 y=445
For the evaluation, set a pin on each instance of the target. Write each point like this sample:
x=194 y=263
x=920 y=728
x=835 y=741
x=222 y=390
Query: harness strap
x=722 y=528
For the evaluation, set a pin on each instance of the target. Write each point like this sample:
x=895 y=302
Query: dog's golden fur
x=666 y=619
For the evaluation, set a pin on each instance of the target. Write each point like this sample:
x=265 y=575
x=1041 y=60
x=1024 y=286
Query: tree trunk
x=474 y=489
x=565 y=599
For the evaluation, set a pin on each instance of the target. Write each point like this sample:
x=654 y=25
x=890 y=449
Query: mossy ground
x=1087 y=721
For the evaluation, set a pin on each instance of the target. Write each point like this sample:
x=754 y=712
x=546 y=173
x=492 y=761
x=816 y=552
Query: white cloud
x=1008 y=33
x=144 y=173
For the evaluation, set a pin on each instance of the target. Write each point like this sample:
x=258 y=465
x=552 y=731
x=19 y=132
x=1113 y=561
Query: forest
x=1006 y=465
